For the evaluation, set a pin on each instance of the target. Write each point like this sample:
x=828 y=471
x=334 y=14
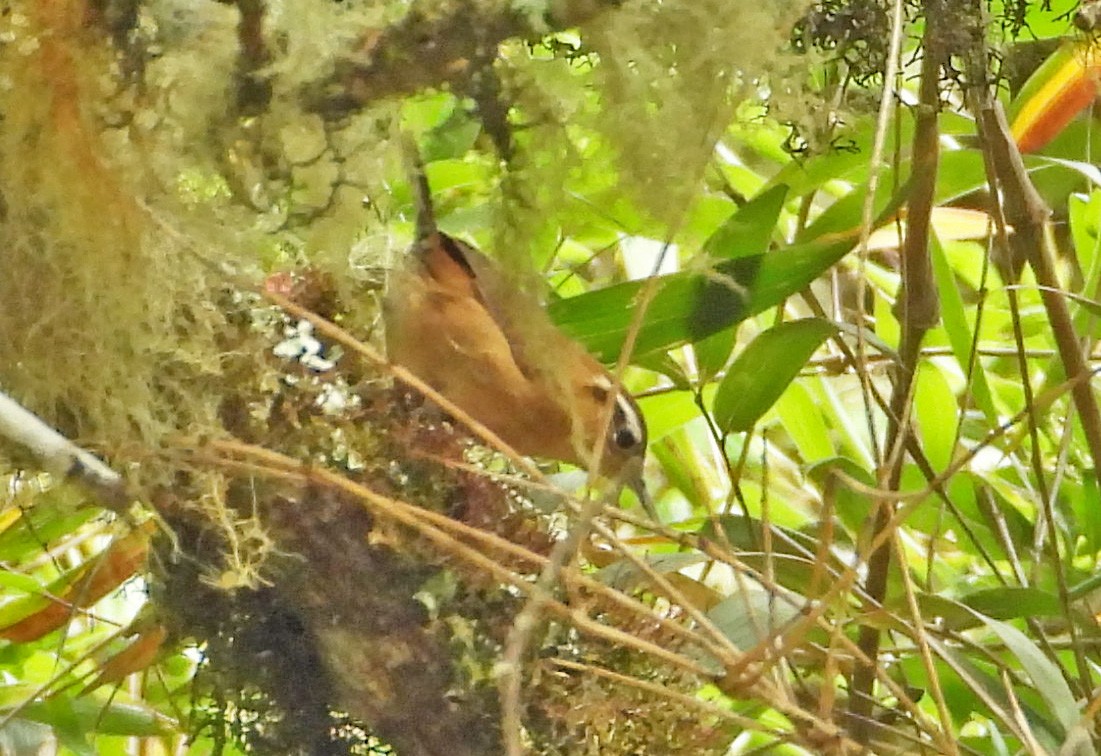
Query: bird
x=456 y=320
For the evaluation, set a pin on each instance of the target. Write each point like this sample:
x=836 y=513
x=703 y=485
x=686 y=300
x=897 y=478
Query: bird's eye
x=625 y=439
x=600 y=392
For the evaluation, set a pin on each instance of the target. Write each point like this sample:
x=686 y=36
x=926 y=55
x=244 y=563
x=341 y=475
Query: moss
x=138 y=212
x=104 y=317
x=669 y=79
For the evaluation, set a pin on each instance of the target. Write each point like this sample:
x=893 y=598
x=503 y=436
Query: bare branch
x=59 y=455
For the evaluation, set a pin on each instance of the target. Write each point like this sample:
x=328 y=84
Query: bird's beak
x=638 y=485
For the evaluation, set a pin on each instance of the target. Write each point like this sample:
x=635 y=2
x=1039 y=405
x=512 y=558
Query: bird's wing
x=462 y=269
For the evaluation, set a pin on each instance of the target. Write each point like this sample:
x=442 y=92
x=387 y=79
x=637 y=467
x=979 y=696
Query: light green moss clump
x=105 y=323
x=669 y=80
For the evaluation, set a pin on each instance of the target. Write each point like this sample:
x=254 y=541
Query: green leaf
x=452 y=138
x=935 y=407
x=803 y=421
x=89 y=715
x=749 y=230
x=1012 y=602
x=980 y=690
x=847 y=427
x=844 y=216
x=666 y=413
x=793 y=558
x=750 y=616
x=747 y=534
x=19 y=582
x=1085 y=504
x=948 y=612
x=683 y=469
x=1084 y=212
x=851 y=507
x=1046 y=677
x=958 y=329
x=961 y=173
x=713 y=352
x=625 y=576
x=600 y=319
x=56 y=514
x=760 y=374
x=428 y=111
x=689 y=306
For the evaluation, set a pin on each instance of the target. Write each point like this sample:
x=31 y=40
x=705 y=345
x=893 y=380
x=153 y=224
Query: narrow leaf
x=1012 y=602
x=748 y=231
x=956 y=326
x=749 y=617
x=760 y=374
x=690 y=306
x=1058 y=91
x=935 y=406
x=988 y=689
x=802 y=418
x=625 y=576
x=1045 y=675
x=88 y=715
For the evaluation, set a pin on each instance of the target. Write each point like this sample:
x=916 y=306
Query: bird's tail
x=418 y=183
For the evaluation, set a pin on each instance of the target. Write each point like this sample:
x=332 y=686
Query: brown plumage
x=456 y=321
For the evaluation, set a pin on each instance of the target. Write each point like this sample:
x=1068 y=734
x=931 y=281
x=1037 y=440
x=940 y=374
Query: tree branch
x=1029 y=216
x=426 y=49
x=917 y=309
x=60 y=456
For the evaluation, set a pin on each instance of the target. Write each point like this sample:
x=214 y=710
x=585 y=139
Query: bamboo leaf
x=760 y=374
x=1046 y=677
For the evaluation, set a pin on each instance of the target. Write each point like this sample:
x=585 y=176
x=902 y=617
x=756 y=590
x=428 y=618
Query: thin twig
x=1024 y=209
x=944 y=736
x=510 y=675
x=435 y=527
x=917 y=310
x=886 y=105
x=60 y=456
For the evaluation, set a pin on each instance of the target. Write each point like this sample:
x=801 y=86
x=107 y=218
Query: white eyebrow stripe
x=631 y=417
x=626 y=415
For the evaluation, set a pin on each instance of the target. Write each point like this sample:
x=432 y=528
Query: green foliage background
x=687 y=178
